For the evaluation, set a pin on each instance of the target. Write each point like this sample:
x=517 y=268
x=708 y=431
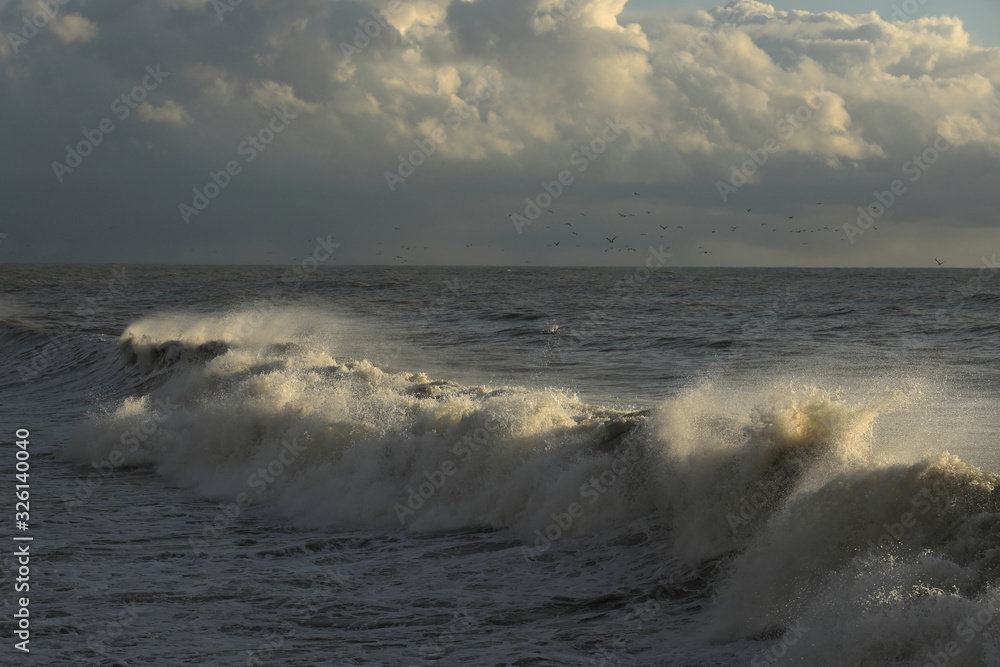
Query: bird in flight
x=556 y=243
x=938 y=261
x=663 y=226
x=612 y=239
x=749 y=209
x=567 y=224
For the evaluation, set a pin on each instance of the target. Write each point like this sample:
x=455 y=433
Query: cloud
x=171 y=113
x=702 y=90
x=74 y=28
x=696 y=93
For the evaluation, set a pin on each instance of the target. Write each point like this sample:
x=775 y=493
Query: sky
x=500 y=132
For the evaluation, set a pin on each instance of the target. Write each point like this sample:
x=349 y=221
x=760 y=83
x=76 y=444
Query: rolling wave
x=783 y=492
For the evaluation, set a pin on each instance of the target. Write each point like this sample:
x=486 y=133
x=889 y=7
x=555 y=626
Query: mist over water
x=481 y=466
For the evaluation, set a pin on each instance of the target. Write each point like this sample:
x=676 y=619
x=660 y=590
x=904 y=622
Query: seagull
x=663 y=226
x=636 y=194
x=612 y=239
x=567 y=224
x=749 y=209
x=556 y=243
x=938 y=261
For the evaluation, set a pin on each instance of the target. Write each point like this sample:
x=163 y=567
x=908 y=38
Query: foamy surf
x=780 y=492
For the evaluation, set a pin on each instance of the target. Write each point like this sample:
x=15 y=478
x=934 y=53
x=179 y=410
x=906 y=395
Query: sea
x=640 y=465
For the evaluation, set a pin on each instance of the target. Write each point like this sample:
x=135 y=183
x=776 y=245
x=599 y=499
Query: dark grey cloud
x=698 y=96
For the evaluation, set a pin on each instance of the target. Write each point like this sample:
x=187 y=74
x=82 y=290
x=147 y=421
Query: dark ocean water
x=408 y=466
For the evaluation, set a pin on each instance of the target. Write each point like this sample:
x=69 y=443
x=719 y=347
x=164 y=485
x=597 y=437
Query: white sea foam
x=785 y=486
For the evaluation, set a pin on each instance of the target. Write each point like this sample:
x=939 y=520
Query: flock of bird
x=660 y=230
x=674 y=228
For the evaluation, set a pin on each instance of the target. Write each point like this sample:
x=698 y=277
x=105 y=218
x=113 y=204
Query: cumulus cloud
x=702 y=91
x=170 y=113
x=843 y=96
x=74 y=28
